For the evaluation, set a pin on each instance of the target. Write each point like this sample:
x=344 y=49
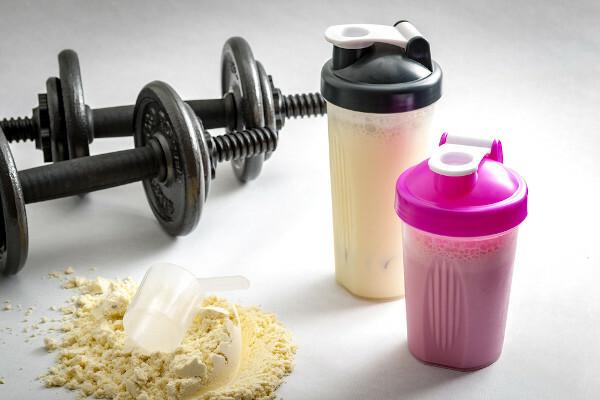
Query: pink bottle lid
x=462 y=190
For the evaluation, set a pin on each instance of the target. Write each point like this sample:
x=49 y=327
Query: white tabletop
x=527 y=73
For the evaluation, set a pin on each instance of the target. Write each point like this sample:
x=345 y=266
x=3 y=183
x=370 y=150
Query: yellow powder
x=92 y=356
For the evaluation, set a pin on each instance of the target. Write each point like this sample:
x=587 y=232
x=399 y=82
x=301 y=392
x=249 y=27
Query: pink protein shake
x=461 y=210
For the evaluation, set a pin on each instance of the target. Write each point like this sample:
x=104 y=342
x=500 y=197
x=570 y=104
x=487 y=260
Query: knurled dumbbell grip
x=88 y=174
x=118 y=121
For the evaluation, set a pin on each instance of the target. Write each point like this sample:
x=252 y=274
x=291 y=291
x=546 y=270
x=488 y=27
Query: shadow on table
x=108 y=242
x=226 y=182
x=396 y=374
x=323 y=294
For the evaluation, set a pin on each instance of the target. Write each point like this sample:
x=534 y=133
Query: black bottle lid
x=380 y=69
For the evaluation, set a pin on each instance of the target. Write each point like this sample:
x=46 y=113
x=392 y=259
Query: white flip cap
x=360 y=36
x=460 y=155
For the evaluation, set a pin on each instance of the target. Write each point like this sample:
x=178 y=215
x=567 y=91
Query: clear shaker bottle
x=380 y=87
x=461 y=210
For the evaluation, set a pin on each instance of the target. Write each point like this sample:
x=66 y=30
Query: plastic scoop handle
x=223 y=283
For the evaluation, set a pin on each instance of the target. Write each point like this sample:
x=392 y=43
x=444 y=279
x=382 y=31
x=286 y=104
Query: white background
x=527 y=72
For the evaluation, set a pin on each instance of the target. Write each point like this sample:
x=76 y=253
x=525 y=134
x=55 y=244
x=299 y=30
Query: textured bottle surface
x=367 y=153
x=457 y=292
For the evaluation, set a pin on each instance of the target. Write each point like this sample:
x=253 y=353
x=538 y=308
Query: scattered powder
x=2 y=382
x=69 y=271
x=93 y=358
x=74 y=283
x=55 y=274
x=50 y=344
x=7 y=306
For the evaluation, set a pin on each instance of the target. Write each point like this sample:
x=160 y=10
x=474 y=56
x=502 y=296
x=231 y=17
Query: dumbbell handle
x=103 y=171
x=214 y=113
x=117 y=121
x=88 y=174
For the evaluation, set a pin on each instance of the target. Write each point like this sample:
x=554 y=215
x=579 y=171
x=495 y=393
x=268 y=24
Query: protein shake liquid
x=461 y=210
x=380 y=86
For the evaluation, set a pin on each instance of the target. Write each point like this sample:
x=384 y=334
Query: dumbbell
x=62 y=125
x=174 y=157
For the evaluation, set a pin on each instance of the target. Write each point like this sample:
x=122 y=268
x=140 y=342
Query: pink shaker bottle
x=461 y=210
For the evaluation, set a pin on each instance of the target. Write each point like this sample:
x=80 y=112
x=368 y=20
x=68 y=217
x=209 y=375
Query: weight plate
x=239 y=75
x=14 y=241
x=268 y=101
x=205 y=156
x=59 y=147
x=77 y=123
x=176 y=200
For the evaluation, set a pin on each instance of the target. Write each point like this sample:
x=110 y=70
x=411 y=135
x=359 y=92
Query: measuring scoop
x=165 y=304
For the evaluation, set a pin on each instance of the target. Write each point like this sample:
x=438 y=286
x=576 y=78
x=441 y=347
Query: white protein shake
x=380 y=87
x=367 y=153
